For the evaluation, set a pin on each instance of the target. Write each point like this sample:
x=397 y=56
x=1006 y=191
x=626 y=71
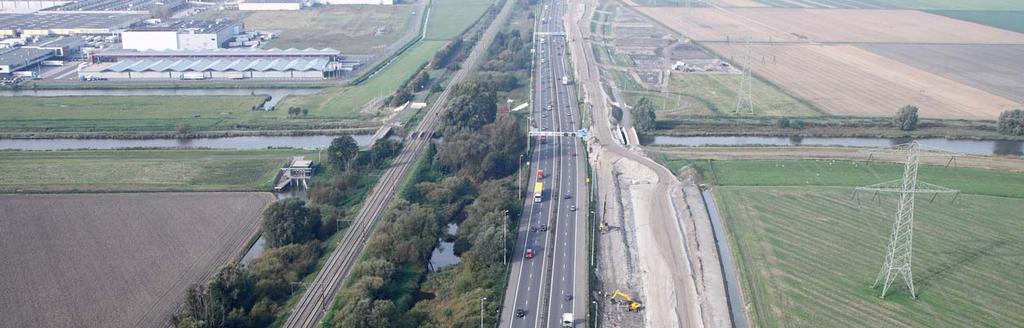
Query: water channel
x=276 y=94
x=975 y=147
x=247 y=142
x=732 y=287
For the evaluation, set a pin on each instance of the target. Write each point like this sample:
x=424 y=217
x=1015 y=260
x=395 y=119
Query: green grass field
x=1007 y=20
x=142 y=170
x=448 y=18
x=716 y=94
x=808 y=254
x=128 y=113
x=345 y=102
x=350 y=29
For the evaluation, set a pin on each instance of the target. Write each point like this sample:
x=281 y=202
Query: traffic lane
x=532 y=271
x=531 y=290
x=564 y=268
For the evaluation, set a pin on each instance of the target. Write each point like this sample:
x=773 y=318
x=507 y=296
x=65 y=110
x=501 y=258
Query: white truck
x=193 y=76
x=567 y=320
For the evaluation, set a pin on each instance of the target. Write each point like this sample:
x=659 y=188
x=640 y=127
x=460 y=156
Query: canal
x=974 y=147
x=246 y=142
x=276 y=94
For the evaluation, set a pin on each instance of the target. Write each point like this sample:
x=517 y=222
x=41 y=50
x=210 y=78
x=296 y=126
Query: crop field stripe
x=784 y=242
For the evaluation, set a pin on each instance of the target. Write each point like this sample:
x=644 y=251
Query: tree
x=230 y=294
x=643 y=115
x=183 y=129
x=906 y=118
x=342 y=150
x=289 y=221
x=1011 y=122
x=472 y=107
x=278 y=268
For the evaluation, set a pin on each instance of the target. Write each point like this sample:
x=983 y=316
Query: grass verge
x=142 y=170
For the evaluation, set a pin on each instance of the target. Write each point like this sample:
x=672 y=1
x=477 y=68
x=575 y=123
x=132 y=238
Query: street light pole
x=482 y=311
x=504 y=240
x=519 y=176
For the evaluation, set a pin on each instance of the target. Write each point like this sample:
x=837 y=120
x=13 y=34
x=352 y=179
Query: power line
x=744 y=98
x=899 y=251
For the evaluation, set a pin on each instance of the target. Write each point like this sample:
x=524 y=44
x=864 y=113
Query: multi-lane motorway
x=553 y=282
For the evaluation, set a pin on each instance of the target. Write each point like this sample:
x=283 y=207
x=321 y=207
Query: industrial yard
x=115 y=260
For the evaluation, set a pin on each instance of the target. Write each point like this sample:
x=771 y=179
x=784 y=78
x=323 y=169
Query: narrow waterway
x=975 y=147
x=275 y=94
x=248 y=142
x=732 y=286
x=444 y=254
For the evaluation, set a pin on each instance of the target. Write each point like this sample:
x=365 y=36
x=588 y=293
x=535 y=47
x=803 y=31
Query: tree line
x=465 y=180
x=294 y=230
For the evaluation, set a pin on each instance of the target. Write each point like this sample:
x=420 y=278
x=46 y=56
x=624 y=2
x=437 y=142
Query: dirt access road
x=648 y=254
x=841 y=153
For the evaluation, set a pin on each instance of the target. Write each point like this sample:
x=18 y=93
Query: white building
x=256 y=5
x=184 y=35
x=213 y=64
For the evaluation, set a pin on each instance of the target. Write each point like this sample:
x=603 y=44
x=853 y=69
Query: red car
x=529 y=253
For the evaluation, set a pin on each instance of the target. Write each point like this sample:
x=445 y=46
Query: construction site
x=730 y=237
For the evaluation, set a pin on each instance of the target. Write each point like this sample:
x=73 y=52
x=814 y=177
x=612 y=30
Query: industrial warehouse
x=217 y=64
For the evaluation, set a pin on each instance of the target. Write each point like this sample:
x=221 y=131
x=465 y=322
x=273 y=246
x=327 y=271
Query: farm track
x=319 y=296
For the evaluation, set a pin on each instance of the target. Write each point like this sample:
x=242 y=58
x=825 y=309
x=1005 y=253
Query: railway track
x=319 y=295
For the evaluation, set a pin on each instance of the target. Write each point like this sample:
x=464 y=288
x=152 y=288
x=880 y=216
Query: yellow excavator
x=633 y=305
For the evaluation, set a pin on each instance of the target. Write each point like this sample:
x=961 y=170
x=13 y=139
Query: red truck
x=540 y=174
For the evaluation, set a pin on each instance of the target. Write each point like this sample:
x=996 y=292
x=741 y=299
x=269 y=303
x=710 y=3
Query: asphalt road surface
x=553 y=281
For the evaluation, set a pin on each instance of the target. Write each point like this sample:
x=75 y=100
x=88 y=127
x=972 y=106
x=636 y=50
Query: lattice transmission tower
x=744 y=97
x=899 y=253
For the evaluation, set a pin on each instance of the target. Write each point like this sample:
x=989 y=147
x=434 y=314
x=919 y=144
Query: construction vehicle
x=634 y=306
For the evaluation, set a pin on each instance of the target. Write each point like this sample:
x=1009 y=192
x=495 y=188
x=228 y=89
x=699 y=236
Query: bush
x=906 y=118
x=1011 y=122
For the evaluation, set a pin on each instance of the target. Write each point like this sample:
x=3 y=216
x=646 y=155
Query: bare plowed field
x=998 y=69
x=846 y=80
x=114 y=260
x=826 y=25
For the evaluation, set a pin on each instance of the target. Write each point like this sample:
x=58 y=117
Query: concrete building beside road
x=66 y=23
x=182 y=35
x=257 y=5
x=214 y=64
x=21 y=59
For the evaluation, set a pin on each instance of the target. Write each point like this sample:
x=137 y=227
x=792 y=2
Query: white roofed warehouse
x=215 y=64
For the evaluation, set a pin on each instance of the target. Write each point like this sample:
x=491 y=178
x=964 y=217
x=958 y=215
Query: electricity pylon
x=744 y=99
x=899 y=253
